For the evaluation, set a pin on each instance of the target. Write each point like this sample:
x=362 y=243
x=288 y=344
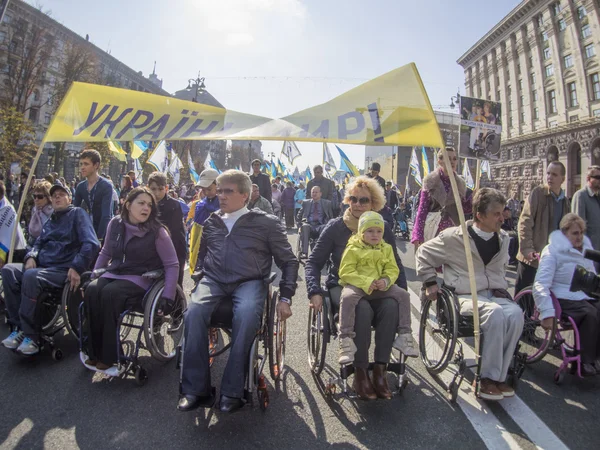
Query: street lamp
x=198 y=85
x=455 y=98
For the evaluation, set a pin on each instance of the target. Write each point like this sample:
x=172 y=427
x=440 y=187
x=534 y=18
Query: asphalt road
x=47 y=404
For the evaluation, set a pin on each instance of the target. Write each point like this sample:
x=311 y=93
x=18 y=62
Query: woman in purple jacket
x=287 y=203
x=136 y=242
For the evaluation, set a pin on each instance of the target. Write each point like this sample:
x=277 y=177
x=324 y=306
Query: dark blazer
x=170 y=214
x=307 y=207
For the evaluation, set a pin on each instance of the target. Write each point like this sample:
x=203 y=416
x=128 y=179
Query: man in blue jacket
x=95 y=192
x=63 y=251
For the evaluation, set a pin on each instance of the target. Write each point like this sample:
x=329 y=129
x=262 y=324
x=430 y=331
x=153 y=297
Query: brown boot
x=362 y=385
x=380 y=382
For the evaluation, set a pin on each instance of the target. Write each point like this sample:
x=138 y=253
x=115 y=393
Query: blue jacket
x=68 y=241
x=98 y=202
x=330 y=247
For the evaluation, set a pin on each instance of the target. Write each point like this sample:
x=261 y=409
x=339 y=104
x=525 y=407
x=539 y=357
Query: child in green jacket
x=368 y=270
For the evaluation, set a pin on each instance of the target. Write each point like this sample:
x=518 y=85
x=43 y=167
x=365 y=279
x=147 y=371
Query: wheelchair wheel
x=317 y=338
x=535 y=341
x=163 y=333
x=438 y=331
x=50 y=314
x=276 y=341
x=70 y=302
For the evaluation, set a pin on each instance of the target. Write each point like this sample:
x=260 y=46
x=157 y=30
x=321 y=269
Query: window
x=522 y=118
x=34 y=115
x=590 y=51
x=509 y=90
x=47 y=118
x=562 y=25
x=510 y=122
x=586 y=31
x=544 y=36
x=510 y=105
x=556 y=8
x=13 y=46
x=573 y=119
x=518 y=69
x=536 y=113
x=2 y=37
x=595 y=79
x=535 y=96
x=568 y=61
x=36 y=96
x=497 y=96
x=596 y=112
x=552 y=102
x=540 y=20
x=547 y=53
x=553 y=124
x=49 y=100
x=531 y=61
x=572 y=93
x=522 y=100
x=549 y=70
x=533 y=78
x=520 y=85
x=7 y=18
x=581 y=12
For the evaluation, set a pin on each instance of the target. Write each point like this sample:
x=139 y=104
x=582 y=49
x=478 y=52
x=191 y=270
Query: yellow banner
x=392 y=109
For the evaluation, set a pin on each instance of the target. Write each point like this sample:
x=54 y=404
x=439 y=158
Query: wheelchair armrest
x=271 y=278
x=99 y=272
x=153 y=274
x=197 y=276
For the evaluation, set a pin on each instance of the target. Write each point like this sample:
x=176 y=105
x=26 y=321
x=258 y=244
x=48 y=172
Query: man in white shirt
x=236 y=255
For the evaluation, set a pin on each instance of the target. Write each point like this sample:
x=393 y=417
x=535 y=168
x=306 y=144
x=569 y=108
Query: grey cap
x=207 y=177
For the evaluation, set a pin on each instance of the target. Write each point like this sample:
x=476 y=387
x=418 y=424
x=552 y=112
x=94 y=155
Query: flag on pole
x=346 y=165
x=280 y=168
x=159 y=158
x=138 y=148
x=137 y=168
x=328 y=162
x=117 y=150
x=290 y=150
x=485 y=168
x=425 y=162
x=273 y=168
x=191 y=167
x=415 y=169
x=467 y=175
x=175 y=168
x=308 y=174
x=209 y=163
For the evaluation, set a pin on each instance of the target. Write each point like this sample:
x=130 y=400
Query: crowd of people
x=231 y=226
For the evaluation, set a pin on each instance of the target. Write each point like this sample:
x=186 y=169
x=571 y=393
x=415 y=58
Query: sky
x=276 y=57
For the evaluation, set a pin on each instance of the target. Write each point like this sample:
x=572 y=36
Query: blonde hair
x=569 y=220
x=376 y=191
x=43 y=187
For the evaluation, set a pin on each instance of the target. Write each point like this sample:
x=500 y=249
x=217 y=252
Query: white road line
x=486 y=424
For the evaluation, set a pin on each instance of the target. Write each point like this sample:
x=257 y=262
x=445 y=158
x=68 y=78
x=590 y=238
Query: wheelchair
x=322 y=328
x=311 y=244
x=161 y=334
x=441 y=326
x=271 y=336
x=563 y=336
x=401 y=225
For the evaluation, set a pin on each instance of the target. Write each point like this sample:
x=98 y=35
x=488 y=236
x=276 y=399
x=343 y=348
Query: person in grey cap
x=375 y=169
x=63 y=251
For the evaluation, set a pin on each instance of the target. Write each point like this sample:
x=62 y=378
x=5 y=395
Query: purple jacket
x=287 y=197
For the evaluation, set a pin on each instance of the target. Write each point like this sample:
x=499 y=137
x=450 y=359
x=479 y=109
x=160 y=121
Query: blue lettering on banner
x=111 y=123
x=132 y=125
x=376 y=121
x=91 y=118
x=194 y=128
x=179 y=125
x=155 y=130
x=343 y=130
x=321 y=131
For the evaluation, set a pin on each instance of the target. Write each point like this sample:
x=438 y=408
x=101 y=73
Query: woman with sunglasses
x=362 y=195
x=41 y=211
x=437 y=209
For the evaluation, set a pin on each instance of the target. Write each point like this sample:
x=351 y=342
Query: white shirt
x=486 y=236
x=231 y=218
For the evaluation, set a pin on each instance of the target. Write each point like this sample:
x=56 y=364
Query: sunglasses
x=362 y=200
x=225 y=191
x=595 y=177
x=38 y=196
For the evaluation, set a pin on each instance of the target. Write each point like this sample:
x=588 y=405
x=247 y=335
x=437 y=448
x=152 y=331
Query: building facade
x=541 y=63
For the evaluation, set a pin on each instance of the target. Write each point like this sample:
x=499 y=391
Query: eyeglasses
x=362 y=200
x=225 y=191
x=38 y=196
x=595 y=177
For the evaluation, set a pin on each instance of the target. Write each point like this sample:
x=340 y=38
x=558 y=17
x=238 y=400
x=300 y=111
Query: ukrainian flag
x=346 y=165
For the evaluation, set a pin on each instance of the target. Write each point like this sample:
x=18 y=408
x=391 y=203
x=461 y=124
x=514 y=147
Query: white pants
x=501 y=322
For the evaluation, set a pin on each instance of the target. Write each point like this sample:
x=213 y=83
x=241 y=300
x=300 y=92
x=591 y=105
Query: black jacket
x=141 y=252
x=169 y=213
x=246 y=253
x=264 y=185
x=330 y=246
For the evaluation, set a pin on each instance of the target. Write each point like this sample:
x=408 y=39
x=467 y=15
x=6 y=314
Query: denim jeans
x=248 y=300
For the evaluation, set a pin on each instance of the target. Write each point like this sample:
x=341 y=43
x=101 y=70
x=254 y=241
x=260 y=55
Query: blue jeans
x=248 y=300
x=22 y=290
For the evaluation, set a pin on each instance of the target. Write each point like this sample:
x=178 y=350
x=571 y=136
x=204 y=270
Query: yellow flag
x=392 y=109
x=117 y=151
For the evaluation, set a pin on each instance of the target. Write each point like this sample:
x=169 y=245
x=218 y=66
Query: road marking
x=486 y=424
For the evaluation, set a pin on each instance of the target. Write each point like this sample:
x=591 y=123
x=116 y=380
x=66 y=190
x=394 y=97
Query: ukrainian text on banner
x=392 y=109
x=480 y=128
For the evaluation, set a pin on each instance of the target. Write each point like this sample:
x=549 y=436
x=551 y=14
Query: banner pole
x=22 y=200
x=478 y=177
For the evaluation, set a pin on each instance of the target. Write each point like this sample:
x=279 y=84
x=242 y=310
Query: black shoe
x=231 y=404
x=191 y=402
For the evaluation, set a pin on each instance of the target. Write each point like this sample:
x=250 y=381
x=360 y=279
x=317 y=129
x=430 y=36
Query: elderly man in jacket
x=313 y=216
x=541 y=215
x=586 y=204
x=236 y=254
x=63 y=251
x=501 y=319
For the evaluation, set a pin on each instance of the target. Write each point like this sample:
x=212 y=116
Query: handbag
x=432 y=223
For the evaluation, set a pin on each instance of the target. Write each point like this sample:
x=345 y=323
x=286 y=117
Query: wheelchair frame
x=321 y=328
x=311 y=244
x=271 y=333
x=450 y=327
x=128 y=362
x=554 y=338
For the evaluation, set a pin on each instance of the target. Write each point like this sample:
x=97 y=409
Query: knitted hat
x=370 y=219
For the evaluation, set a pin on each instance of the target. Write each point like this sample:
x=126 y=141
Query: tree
x=16 y=139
